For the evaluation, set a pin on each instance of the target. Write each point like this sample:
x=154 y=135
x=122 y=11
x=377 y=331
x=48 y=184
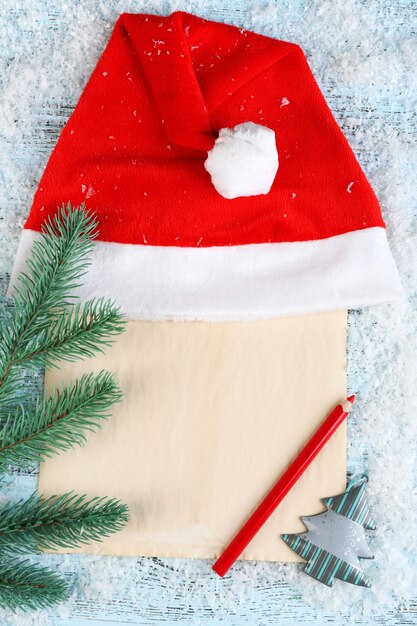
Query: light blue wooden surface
x=336 y=36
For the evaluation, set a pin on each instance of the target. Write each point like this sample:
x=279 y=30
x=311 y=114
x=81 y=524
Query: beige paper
x=212 y=414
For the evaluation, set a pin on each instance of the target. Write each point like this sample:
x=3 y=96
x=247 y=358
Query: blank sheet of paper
x=212 y=414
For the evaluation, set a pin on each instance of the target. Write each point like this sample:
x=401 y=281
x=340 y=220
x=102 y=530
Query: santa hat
x=184 y=235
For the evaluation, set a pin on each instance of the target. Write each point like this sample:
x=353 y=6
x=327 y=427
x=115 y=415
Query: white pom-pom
x=243 y=160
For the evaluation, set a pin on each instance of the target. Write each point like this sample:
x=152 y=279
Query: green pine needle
x=64 y=522
x=58 y=422
x=46 y=327
x=29 y=587
x=75 y=333
x=58 y=260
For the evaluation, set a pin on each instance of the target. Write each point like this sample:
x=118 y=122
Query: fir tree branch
x=12 y=392
x=58 y=260
x=74 y=334
x=29 y=587
x=66 y=521
x=46 y=327
x=58 y=422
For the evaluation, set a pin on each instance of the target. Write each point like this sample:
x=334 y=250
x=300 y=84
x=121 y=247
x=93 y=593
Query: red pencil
x=282 y=487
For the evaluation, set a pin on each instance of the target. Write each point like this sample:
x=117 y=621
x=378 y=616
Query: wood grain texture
x=147 y=595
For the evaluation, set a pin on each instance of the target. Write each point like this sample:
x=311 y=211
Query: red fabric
x=135 y=146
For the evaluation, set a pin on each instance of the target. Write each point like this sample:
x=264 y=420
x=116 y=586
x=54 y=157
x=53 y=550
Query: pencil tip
x=347 y=404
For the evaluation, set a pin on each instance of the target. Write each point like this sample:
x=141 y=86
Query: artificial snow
x=243 y=160
x=363 y=55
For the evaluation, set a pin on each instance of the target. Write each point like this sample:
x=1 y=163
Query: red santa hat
x=174 y=145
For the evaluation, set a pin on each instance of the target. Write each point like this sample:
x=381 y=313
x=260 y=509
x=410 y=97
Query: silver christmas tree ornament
x=336 y=540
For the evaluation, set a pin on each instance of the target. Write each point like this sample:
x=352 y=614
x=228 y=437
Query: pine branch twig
x=75 y=333
x=46 y=327
x=64 y=521
x=57 y=261
x=29 y=587
x=58 y=422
